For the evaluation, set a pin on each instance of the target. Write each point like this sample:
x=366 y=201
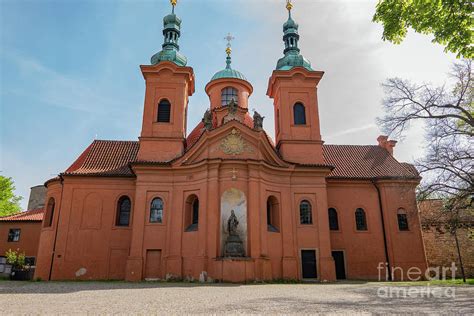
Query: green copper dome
x=170 y=47
x=290 y=24
x=291 y=60
x=293 y=57
x=228 y=72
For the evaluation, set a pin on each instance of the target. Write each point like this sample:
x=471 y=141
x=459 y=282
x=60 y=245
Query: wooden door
x=152 y=265
x=117 y=264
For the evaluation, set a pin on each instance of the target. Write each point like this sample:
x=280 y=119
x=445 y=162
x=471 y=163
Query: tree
x=9 y=202
x=450 y=22
x=448 y=114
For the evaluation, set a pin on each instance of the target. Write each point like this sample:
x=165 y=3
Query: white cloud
x=340 y=38
x=57 y=89
x=352 y=130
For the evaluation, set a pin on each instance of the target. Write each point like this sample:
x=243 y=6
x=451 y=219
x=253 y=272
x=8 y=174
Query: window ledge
x=121 y=227
x=155 y=223
x=272 y=229
x=191 y=228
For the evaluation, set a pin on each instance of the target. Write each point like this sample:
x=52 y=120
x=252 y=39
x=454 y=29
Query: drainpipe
x=387 y=260
x=57 y=228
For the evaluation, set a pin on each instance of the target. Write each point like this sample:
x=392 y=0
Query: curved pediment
x=232 y=140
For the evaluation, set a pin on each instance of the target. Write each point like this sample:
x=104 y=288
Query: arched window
x=195 y=219
x=124 y=207
x=361 y=221
x=273 y=216
x=164 y=111
x=49 y=217
x=299 y=114
x=333 y=221
x=306 y=216
x=191 y=216
x=156 y=211
x=228 y=94
x=402 y=219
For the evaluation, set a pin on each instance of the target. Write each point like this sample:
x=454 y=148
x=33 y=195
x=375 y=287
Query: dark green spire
x=292 y=57
x=170 y=47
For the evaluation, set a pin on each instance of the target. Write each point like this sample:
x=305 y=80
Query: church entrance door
x=152 y=265
x=308 y=262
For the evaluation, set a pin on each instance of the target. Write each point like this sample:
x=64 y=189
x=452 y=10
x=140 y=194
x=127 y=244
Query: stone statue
x=207 y=120
x=232 y=106
x=233 y=245
x=257 y=120
x=232 y=223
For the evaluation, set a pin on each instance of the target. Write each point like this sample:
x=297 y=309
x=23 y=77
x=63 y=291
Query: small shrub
x=15 y=258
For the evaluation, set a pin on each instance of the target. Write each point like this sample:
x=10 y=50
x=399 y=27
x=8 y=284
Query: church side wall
x=88 y=244
x=363 y=250
x=47 y=235
x=406 y=248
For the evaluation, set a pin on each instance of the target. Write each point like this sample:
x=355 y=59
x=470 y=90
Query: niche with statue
x=233 y=224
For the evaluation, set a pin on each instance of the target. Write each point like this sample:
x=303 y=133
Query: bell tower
x=168 y=86
x=293 y=88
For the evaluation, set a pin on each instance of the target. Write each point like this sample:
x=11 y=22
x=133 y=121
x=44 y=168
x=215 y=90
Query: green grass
x=449 y=282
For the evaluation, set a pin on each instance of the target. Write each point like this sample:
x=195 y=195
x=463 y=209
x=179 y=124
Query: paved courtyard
x=178 y=298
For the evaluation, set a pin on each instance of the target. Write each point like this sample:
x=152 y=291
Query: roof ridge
x=23 y=215
x=115 y=140
x=352 y=145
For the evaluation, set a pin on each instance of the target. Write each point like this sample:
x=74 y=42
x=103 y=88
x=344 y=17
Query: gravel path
x=177 y=298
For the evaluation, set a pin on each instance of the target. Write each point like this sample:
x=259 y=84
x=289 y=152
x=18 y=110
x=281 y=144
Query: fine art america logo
x=416 y=274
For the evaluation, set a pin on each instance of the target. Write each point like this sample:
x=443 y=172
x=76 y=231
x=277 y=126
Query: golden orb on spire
x=173 y=2
x=289 y=5
x=228 y=50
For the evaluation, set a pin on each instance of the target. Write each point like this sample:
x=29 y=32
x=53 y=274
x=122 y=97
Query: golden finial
x=289 y=5
x=228 y=50
x=173 y=4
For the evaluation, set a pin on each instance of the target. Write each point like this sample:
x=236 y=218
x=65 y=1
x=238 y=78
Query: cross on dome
x=229 y=38
x=228 y=72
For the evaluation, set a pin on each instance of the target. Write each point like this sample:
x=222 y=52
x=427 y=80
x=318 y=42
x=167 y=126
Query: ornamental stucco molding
x=234 y=144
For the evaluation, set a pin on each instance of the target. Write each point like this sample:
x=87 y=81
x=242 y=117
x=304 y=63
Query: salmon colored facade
x=160 y=207
x=28 y=229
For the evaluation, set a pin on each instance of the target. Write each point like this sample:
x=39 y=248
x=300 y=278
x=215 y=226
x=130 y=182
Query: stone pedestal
x=234 y=247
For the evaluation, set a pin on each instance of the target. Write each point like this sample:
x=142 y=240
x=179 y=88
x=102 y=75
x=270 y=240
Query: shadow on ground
x=57 y=287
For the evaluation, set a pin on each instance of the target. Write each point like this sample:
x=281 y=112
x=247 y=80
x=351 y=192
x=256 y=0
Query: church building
x=227 y=202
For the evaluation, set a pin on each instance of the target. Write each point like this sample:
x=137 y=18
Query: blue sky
x=70 y=70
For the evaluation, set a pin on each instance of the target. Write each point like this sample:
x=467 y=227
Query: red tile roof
x=112 y=158
x=105 y=157
x=365 y=162
x=194 y=136
x=25 y=216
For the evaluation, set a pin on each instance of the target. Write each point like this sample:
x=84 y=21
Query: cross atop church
x=229 y=38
